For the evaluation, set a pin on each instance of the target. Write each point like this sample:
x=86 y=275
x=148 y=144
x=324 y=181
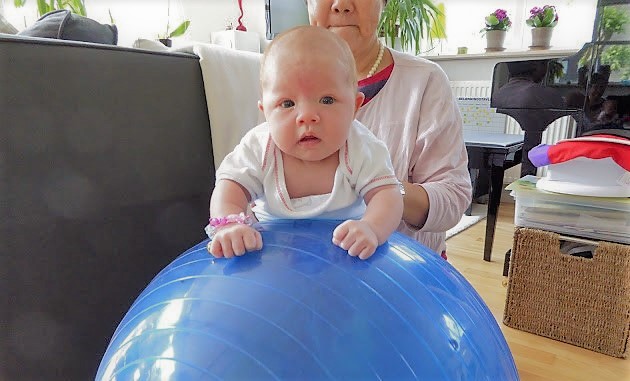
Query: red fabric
x=380 y=76
x=567 y=150
x=372 y=85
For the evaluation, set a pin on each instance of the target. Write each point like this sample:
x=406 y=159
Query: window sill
x=506 y=54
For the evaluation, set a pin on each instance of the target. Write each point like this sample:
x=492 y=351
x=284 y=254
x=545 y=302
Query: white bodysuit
x=256 y=164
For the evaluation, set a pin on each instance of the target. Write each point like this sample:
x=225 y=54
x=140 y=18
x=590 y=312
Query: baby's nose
x=307 y=115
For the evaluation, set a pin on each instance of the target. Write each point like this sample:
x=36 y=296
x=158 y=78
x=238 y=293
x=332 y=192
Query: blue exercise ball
x=302 y=309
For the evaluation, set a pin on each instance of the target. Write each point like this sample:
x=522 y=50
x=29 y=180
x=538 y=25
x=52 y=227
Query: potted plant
x=180 y=30
x=74 y=6
x=497 y=25
x=542 y=20
x=43 y=7
x=166 y=37
x=410 y=21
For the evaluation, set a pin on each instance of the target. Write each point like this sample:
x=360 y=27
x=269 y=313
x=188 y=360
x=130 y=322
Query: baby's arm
x=381 y=218
x=229 y=198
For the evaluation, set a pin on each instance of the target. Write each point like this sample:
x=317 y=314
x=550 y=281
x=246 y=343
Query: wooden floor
x=537 y=358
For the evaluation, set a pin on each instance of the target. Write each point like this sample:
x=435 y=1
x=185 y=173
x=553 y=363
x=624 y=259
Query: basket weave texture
x=581 y=301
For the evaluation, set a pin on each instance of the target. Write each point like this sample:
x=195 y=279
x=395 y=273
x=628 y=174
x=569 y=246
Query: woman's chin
x=347 y=32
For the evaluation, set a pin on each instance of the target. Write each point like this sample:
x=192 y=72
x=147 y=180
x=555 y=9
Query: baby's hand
x=357 y=237
x=234 y=239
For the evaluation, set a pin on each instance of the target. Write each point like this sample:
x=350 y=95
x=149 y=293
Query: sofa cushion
x=65 y=25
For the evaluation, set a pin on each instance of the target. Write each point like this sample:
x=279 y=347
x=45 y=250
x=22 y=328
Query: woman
x=409 y=105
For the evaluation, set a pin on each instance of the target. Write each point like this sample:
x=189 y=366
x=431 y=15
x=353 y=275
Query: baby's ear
x=358 y=101
x=260 y=106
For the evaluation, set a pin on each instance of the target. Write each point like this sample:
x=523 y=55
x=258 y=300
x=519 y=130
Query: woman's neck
x=366 y=60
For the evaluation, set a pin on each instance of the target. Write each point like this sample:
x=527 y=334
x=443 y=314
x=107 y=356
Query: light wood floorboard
x=537 y=358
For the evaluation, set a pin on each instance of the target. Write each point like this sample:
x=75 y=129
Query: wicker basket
x=581 y=301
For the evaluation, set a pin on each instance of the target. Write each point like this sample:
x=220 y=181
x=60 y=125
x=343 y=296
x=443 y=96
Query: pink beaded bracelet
x=216 y=223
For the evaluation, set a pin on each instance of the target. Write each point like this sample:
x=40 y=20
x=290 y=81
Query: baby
x=608 y=111
x=311 y=158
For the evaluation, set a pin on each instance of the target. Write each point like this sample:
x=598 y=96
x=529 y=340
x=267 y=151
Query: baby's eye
x=287 y=103
x=327 y=100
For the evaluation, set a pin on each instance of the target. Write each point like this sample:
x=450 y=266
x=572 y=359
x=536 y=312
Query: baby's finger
x=226 y=248
x=340 y=233
x=238 y=246
x=251 y=241
x=355 y=248
x=367 y=252
x=214 y=248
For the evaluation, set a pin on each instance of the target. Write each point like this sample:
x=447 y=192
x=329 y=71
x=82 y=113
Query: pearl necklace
x=381 y=49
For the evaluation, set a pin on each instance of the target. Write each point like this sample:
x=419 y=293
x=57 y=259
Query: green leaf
x=181 y=29
x=548 y=16
x=613 y=21
x=43 y=7
x=411 y=21
x=492 y=20
x=437 y=24
x=80 y=8
x=618 y=57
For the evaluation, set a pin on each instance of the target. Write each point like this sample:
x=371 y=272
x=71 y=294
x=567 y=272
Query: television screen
x=284 y=14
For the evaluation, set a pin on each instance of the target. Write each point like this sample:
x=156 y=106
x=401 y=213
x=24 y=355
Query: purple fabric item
x=539 y=155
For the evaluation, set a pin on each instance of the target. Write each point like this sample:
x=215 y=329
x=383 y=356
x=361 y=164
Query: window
x=465 y=19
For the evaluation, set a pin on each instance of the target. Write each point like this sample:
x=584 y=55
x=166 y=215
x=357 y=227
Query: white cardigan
x=417 y=117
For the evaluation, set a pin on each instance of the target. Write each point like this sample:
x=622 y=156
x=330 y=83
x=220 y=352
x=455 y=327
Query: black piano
x=592 y=86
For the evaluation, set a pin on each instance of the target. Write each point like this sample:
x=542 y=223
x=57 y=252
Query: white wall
x=206 y=16
x=147 y=18
x=206 y=19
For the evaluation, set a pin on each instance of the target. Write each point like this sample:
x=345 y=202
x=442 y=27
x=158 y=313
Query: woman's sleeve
x=439 y=157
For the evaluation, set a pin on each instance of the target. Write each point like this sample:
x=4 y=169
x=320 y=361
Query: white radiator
x=474 y=102
x=471 y=88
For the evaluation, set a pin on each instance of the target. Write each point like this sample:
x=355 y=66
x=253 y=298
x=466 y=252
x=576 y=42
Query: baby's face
x=309 y=102
x=610 y=106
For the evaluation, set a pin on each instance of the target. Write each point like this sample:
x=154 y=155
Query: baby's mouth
x=309 y=139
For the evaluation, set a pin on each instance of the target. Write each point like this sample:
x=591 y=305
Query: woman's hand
x=357 y=237
x=234 y=240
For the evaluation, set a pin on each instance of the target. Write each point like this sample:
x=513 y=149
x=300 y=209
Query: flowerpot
x=495 y=40
x=166 y=42
x=541 y=37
